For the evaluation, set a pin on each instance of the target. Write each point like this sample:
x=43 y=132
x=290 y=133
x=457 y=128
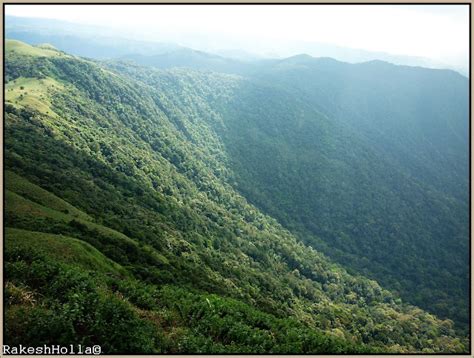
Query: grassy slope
x=19 y=48
x=46 y=207
x=29 y=92
x=22 y=187
x=180 y=317
x=63 y=249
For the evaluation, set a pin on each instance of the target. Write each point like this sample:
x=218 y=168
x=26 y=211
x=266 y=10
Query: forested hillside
x=367 y=163
x=132 y=222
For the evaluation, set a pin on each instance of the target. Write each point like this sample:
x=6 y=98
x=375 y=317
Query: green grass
x=20 y=206
x=31 y=203
x=24 y=188
x=23 y=49
x=63 y=249
x=33 y=93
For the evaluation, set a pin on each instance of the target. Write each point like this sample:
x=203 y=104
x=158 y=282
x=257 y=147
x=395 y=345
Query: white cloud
x=439 y=32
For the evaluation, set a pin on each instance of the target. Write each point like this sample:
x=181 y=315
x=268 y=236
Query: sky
x=437 y=32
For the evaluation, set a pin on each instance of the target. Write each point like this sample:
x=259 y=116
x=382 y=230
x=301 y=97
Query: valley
x=292 y=206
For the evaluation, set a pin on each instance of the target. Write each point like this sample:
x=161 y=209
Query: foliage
x=366 y=163
x=147 y=244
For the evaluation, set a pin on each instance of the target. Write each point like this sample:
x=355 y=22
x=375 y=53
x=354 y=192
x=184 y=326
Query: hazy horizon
x=436 y=34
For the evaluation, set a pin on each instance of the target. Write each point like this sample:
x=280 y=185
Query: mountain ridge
x=83 y=41
x=155 y=171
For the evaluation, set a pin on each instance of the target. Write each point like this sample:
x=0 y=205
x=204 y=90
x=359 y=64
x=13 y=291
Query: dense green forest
x=185 y=211
x=374 y=176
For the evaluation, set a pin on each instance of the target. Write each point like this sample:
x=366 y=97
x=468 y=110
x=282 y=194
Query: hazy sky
x=439 y=32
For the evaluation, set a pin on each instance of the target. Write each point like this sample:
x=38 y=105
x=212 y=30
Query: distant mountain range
x=104 y=43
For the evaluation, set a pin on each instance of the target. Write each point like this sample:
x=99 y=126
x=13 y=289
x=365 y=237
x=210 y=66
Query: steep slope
x=114 y=162
x=416 y=116
x=412 y=127
x=62 y=290
x=367 y=163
